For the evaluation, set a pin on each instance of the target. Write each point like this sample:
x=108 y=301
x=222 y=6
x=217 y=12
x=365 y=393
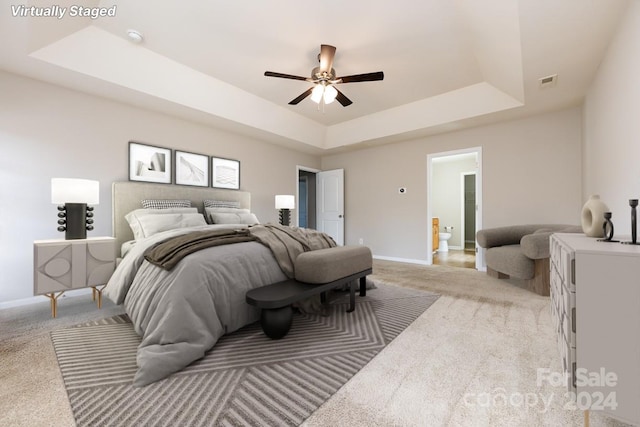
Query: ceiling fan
x=324 y=79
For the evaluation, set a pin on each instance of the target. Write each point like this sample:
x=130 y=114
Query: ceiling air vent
x=548 y=81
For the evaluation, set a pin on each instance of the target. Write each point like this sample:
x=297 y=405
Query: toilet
x=443 y=246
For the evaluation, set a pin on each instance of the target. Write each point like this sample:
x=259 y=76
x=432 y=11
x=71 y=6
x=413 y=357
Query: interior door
x=330 y=204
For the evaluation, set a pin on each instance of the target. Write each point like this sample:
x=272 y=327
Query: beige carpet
x=471 y=359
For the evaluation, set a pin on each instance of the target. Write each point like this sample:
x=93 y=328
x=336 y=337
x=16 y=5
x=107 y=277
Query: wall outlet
x=361 y=241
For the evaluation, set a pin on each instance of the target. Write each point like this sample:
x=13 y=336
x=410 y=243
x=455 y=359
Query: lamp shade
x=71 y=190
x=330 y=94
x=316 y=93
x=285 y=202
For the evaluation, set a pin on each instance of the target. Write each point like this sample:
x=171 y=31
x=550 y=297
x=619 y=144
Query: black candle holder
x=607 y=228
x=634 y=204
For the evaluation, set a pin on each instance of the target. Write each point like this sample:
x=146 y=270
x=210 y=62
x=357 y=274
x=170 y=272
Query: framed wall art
x=149 y=163
x=225 y=173
x=191 y=168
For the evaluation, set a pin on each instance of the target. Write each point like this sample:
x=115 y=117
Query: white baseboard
x=407 y=260
x=414 y=261
x=41 y=298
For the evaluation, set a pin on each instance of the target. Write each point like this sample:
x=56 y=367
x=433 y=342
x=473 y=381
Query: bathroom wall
x=446 y=193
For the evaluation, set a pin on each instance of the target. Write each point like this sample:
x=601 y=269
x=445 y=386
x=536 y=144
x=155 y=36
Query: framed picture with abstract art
x=149 y=163
x=225 y=173
x=191 y=168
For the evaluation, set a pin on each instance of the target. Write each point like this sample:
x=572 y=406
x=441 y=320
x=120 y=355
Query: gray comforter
x=180 y=314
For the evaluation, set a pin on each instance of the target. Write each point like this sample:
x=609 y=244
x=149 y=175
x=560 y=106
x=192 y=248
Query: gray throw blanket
x=168 y=253
x=286 y=243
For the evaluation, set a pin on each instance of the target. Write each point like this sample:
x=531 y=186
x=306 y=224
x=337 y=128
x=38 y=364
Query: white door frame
x=430 y=157
x=296 y=216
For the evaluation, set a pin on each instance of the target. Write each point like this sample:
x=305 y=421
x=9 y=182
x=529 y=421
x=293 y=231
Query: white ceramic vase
x=593 y=216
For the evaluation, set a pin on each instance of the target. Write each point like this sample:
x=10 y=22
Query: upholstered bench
x=316 y=272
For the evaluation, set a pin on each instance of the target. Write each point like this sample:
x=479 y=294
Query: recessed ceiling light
x=135 y=36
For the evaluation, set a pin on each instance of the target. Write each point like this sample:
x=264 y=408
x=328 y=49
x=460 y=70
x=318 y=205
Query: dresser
x=595 y=307
x=60 y=265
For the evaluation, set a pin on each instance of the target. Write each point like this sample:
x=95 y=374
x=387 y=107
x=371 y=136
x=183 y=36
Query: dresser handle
x=573 y=271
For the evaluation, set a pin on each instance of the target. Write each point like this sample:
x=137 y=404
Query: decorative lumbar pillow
x=210 y=211
x=133 y=217
x=233 y=218
x=165 y=204
x=221 y=204
x=153 y=224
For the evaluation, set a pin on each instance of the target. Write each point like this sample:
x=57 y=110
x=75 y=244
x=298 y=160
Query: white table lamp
x=284 y=203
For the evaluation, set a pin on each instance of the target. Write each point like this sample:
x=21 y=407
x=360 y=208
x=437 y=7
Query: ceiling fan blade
x=342 y=99
x=284 y=76
x=367 y=77
x=327 y=53
x=302 y=96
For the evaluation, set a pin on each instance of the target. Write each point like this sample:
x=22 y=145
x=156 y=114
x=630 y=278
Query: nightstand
x=60 y=265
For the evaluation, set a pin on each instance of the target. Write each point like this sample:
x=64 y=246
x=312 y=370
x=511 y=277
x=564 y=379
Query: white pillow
x=209 y=211
x=152 y=224
x=233 y=218
x=133 y=217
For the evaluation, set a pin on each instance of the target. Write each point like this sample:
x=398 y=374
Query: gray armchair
x=521 y=252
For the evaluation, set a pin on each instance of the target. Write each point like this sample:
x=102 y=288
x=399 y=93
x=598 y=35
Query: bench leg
x=352 y=297
x=363 y=286
x=276 y=322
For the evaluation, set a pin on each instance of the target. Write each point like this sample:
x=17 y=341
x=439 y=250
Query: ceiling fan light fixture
x=330 y=94
x=316 y=93
x=324 y=77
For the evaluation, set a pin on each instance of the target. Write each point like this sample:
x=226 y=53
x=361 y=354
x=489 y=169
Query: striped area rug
x=246 y=379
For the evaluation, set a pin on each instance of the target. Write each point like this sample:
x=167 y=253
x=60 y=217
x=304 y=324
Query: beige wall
x=47 y=131
x=612 y=124
x=531 y=173
x=532 y=170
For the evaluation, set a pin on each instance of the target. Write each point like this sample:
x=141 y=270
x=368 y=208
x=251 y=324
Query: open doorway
x=320 y=201
x=306 y=199
x=454 y=201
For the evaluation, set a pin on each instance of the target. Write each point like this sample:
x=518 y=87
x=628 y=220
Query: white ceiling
x=448 y=64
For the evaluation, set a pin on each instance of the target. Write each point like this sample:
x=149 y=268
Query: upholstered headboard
x=127 y=196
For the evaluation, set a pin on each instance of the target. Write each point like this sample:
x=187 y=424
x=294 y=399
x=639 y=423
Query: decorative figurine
x=607 y=228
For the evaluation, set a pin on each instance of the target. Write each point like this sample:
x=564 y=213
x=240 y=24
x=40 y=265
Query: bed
x=181 y=313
